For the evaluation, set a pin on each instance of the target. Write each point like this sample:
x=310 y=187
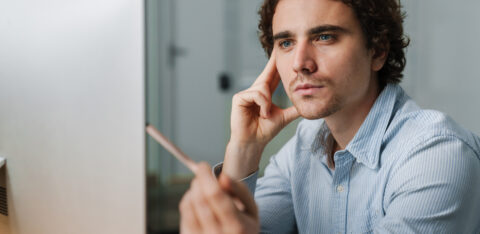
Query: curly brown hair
x=381 y=22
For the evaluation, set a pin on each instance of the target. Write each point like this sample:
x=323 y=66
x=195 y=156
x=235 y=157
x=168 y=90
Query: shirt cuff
x=250 y=181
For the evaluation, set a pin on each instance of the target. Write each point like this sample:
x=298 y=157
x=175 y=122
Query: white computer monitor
x=72 y=116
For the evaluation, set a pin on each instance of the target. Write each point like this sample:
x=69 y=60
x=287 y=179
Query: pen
x=168 y=145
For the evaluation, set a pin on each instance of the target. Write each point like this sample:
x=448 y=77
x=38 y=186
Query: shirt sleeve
x=250 y=181
x=273 y=193
x=435 y=189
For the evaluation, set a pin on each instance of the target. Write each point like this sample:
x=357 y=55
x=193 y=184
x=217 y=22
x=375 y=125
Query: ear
x=379 y=58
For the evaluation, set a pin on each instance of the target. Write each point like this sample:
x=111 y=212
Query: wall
x=444 y=57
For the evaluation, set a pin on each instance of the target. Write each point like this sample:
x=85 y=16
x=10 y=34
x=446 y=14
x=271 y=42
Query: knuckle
x=198 y=198
x=258 y=95
x=265 y=95
x=236 y=96
x=264 y=87
x=215 y=194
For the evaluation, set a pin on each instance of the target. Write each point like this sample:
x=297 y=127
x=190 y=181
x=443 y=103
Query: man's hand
x=255 y=120
x=223 y=206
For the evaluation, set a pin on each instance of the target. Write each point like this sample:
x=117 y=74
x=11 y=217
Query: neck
x=345 y=123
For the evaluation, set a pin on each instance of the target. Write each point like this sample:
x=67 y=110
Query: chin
x=311 y=115
x=310 y=109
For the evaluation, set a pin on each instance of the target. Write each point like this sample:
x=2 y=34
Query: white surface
x=444 y=57
x=2 y=162
x=72 y=115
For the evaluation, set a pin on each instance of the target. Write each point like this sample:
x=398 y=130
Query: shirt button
x=339 y=188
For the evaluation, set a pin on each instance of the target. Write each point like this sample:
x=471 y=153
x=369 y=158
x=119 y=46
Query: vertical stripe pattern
x=407 y=170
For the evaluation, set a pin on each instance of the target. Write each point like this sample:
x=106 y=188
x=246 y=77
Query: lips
x=307 y=86
x=307 y=89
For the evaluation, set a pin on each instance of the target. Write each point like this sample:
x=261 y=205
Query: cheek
x=284 y=70
x=346 y=65
x=337 y=63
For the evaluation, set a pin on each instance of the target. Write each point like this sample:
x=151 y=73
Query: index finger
x=269 y=73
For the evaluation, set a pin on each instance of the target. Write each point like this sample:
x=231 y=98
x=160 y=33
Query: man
x=366 y=159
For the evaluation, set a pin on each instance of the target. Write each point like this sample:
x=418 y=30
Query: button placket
x=340 y=181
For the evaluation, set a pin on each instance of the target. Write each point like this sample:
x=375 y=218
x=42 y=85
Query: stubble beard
x=333 y=105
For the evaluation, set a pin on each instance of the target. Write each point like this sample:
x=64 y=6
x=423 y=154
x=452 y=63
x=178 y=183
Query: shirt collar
x=365 y=145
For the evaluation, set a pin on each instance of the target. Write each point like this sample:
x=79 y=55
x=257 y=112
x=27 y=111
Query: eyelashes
x=285 y=44
x=320 y=38
x=325 y=37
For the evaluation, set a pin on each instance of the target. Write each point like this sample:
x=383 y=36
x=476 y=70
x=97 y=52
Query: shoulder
x=414 y=128
x=427 y=146
x=423 y=147
x=429 y=156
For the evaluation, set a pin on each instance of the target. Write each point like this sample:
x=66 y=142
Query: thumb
x=239 y=191
x=289 y=115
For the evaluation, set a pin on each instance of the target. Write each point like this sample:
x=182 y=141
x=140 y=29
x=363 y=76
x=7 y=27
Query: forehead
x=301 y=15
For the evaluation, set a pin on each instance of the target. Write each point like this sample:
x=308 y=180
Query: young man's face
x=321 y=56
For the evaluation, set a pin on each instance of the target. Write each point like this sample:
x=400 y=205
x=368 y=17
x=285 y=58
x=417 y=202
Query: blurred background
x=79 y=80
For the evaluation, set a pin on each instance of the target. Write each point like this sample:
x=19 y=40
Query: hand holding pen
x=211 y=205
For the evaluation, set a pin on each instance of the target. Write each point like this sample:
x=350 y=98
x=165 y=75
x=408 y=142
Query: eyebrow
x=312 y=31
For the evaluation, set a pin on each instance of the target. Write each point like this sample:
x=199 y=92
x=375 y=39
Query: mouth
x=308 y=89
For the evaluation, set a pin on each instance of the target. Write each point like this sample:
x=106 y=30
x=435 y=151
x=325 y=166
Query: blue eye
x=325 y=37
x=285 y=44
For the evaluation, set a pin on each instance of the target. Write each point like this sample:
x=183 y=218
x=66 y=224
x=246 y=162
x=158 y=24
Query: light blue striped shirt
x=407 y=170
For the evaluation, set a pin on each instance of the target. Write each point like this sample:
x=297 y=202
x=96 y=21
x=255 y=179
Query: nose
x=303 y=59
